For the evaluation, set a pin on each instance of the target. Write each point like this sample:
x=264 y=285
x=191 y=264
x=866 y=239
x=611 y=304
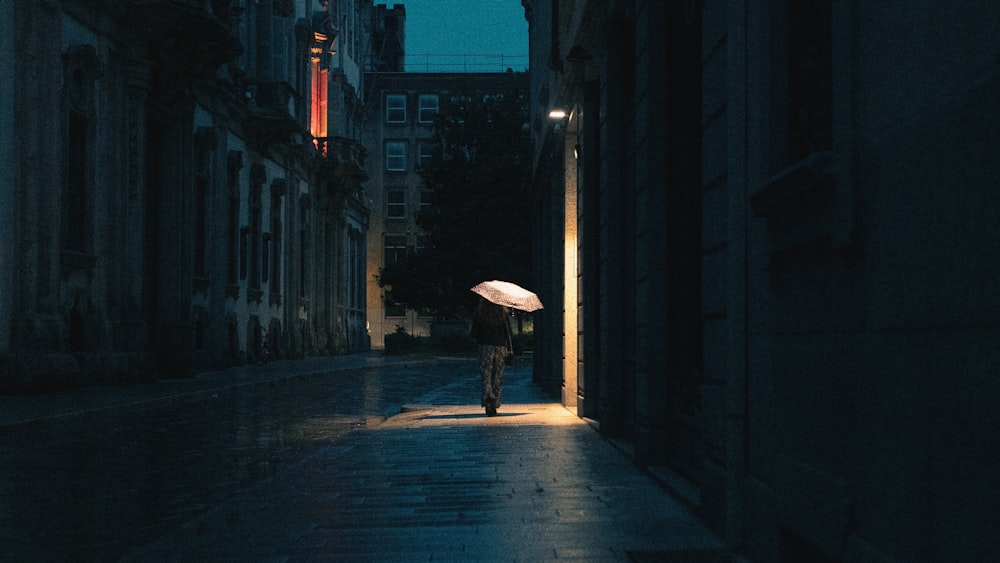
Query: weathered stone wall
x=132 y=149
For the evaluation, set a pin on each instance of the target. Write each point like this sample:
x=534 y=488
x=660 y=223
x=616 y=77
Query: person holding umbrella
x=491 y=330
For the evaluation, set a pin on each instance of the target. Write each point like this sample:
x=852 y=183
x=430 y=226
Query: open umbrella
x=508 y=294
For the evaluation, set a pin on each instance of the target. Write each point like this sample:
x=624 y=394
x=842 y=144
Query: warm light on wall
x=319 y=78
x=571 y=273
x=557 y=114
x=318 y=114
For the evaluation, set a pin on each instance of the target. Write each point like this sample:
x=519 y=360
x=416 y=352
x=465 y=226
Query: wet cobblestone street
x=97 y=484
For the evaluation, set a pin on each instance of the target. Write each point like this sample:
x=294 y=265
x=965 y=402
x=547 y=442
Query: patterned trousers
x=491 y=364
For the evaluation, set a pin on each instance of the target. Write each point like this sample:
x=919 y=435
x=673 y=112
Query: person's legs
x=484 y=371
x=491 y=364
x=486 y=362
x=497 y=380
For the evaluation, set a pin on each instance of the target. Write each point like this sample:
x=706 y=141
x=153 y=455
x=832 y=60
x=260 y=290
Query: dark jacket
x=490 y=334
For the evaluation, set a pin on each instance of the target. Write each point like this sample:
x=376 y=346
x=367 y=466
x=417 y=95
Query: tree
x=480 y=224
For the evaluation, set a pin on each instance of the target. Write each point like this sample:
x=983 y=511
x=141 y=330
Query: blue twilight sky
x=476 y=35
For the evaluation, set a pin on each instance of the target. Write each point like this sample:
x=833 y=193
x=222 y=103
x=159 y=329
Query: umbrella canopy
x=508 y=294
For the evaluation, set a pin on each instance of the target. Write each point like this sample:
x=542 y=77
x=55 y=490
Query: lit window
x=428 y=107
x=319 y=78
x=395 y=156
x=395 y=108
x=395 y=204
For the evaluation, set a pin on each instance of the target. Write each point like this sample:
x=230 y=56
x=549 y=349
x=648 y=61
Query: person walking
x=491 y=331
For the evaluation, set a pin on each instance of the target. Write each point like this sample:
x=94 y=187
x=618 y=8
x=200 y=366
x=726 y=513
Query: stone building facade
x=772 y=228
x=182 y=186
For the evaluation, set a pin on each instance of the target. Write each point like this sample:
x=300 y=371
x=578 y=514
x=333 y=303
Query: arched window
x=82 y=69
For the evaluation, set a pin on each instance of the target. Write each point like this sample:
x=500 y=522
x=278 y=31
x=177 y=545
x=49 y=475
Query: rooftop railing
x=464 y=63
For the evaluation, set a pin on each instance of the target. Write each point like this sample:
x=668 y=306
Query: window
x=319 y=85
x=201 y=180
x=395 y=249
x=233 y=164
x=265 y=257
x=278 y=190
x=395 y=253
x=257 y=179
x=426 y=200
x=244 y=251
x=425 y=150
x=204 y=173
x=395 y=108
x=810 y=78
x=74 y=210
x=304 y=260
x=395 y=204
x=427 y=108
x=395 y=156
x=393 y=309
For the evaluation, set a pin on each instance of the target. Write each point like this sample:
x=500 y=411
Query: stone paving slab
x=443 y=482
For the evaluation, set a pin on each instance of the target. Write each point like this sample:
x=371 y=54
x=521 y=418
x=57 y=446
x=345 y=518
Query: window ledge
x=795 y=187
x=200 y=285
x=77 y=261
x=807 y=208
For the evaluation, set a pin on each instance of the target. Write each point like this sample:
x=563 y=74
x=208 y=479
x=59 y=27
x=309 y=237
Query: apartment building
x=400 y=137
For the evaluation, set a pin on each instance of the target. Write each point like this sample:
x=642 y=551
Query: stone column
x=617 y=306
x=132 y=332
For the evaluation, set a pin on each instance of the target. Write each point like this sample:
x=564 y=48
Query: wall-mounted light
x=557 y=114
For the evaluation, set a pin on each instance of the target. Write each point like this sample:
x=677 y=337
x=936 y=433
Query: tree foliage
x=479 y=226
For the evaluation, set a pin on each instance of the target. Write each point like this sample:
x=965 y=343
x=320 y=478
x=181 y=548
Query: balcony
x=271 y=111
x=187 y=39
x=202 y=27
x=342 y=157
x=342 y=160
x=220 y=9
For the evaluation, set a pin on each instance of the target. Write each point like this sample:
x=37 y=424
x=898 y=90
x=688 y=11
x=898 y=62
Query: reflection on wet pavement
x=95 y=486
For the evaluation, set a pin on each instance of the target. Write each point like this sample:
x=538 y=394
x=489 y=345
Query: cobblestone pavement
x=309 y=469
